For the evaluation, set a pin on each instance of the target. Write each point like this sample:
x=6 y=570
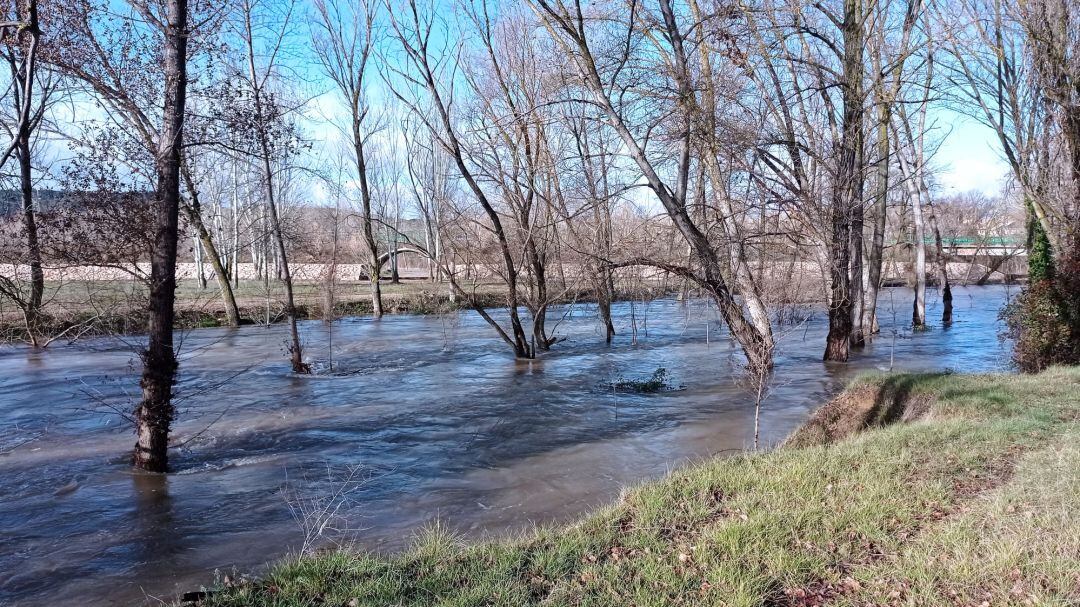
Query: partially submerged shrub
x=659 y=381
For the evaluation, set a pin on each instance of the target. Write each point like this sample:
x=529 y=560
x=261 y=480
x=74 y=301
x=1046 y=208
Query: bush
x=660 y=381
x=1044 y=321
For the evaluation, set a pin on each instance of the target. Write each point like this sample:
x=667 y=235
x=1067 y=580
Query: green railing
x=994 y=241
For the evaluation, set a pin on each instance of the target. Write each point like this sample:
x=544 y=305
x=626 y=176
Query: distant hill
x=44 y=200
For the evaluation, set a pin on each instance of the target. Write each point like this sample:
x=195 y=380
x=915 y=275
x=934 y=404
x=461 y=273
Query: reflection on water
x=444 y=423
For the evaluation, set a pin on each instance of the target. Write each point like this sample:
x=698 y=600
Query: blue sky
x=969 y=157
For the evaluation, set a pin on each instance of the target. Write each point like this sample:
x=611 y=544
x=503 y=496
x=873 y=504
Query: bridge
x=967 y=247
x=1004 y=254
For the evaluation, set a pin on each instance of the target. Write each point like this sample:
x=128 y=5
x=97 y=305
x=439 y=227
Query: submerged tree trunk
x=840 y=306
x=736 y=248
x=918 y=313
x=919 y=194
x=858 y=287
x=263 y=130
x=847 y=191
x=604 y=296
x=154 y=414
x=296 y=353
x=942 y=263
x=538 y=264
x=877 y=244
x=756 y=344
x=416 y=51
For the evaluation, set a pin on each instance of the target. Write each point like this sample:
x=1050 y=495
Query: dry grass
x=119 y=307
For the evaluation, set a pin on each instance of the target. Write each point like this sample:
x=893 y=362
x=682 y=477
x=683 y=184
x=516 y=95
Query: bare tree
x=918 y=197
x=578 y=34
x=997 y=78
x=259 y=112
x=29 y=93
x=593 y=159
x=20 y=34
x=888 y=59
x=193 y=210
x=1052 y=29
x=846 y=208
x=155 y=412
x=421 y=68
x=111 y=64
x=110 y=52
x=431 y=186
x=911 y=133
x=343 y=43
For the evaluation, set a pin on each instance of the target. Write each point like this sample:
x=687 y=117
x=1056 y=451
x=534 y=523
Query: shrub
x=660 y=381
x=1044 y=321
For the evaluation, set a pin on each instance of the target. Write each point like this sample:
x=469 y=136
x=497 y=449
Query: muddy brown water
x=430 y=415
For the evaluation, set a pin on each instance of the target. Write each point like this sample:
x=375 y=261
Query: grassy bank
x=971 y=500
x=118 y=307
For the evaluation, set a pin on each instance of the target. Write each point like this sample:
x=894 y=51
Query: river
x=423 y=418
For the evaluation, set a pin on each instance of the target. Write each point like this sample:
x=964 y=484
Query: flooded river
x=430 y=417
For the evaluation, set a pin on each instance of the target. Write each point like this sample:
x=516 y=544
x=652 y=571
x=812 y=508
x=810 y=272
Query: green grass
x=974 y=502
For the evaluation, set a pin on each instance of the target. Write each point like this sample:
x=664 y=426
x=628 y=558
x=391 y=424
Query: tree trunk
x=258 y=245
x=877 y=244
x=840 y=308
x=858 y=290
x=200 y=267
x=918 y=194
x=366 y=217
x=23 y=74
x=607 y=278
x=376 y=296
x=604 y=296
x=941 y=261
x=918 y=314
x=193 y=211
x=1072 y=137
x=155 y=412
x=235 y=216
x=537 y=263
x=847 y=190
x=736 y=248
x=33 y=249
x=296 y=353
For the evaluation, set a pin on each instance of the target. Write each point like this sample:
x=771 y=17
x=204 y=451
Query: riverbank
x=923 y=489
x=86 y=304
x=97 y=308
